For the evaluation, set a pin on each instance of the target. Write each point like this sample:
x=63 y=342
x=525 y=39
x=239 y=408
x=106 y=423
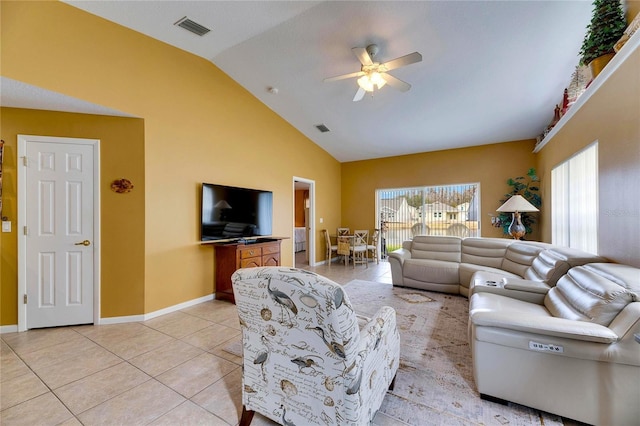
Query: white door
x=58 y=230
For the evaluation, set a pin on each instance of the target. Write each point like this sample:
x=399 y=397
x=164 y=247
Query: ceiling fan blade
x=359 y=94
x=344 y=76
x=396 y=83
x=409 y=59
x=362 y=55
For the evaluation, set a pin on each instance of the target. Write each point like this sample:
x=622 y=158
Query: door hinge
x=25 y=299
x=25 y=230
x=25 y=161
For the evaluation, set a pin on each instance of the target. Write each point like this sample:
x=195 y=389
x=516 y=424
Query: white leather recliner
x=574 y=354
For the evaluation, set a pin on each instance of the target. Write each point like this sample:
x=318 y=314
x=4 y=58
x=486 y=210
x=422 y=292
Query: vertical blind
x=574 y=201
x=428 y=210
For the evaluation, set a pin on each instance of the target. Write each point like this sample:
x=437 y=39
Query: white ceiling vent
x=194 y=27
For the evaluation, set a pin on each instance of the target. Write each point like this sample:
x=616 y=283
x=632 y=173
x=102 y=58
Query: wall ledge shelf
x=619 y=58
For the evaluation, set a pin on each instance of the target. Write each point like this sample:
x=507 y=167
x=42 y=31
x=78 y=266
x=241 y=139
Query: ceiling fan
x=374 y=74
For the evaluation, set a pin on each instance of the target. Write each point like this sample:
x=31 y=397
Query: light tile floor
x=170 y=370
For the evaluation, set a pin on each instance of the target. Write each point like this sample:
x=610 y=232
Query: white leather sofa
x=574 y=354
x=453 y=264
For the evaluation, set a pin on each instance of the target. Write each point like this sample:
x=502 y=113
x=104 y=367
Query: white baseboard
x=177 y=307
x=132 y=318
x=8 y=328
x=120 y=320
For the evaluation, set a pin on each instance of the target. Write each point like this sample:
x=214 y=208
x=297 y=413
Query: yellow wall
x=122 y=215
x=491 y=165
x=199 y=126
x=612 y=117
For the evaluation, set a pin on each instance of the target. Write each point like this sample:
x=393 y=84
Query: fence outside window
x=430 y=210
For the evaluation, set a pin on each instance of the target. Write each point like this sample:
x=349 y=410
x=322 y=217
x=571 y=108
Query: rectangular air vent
x=322 y=128
x=194 y=27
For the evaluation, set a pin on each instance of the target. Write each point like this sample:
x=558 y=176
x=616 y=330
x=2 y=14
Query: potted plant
x=606 y=27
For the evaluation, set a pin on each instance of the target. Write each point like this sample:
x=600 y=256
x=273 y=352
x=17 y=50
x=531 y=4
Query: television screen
x=230 y=213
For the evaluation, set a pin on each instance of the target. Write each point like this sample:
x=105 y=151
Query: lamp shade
x=517 y=203
x=222 y=204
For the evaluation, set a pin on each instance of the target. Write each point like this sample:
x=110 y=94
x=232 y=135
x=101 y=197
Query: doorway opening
x=303 y=222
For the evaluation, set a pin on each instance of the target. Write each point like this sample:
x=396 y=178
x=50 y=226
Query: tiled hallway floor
x=170 y=370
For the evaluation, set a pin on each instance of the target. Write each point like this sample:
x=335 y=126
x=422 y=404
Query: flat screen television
x=229 y=213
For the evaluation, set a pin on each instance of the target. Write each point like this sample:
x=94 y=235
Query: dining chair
x=343 y=231
x=420 y=229
x=458 y=230
x=330 y=248
x=373 y=247
x=359 y=247
x=344 y=248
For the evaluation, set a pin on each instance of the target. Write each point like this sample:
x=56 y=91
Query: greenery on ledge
x=606 y=27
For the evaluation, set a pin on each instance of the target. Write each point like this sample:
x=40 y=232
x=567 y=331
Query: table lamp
x=516 y=205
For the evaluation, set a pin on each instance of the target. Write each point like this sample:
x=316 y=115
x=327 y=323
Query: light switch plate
x=6 y=226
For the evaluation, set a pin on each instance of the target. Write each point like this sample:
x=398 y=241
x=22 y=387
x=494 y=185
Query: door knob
x=83 y=243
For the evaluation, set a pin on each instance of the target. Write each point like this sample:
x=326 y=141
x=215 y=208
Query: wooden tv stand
x=232 y=256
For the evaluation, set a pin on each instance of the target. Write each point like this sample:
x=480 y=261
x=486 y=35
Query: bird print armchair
x=305 y=359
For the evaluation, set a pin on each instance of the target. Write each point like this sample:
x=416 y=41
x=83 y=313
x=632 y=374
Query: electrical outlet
x=6 y=226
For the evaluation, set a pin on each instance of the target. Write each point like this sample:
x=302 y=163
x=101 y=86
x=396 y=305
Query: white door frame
x=22 y=220
x=311 y=244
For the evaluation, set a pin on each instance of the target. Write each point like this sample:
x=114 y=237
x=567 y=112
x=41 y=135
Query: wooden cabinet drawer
x=272 y=259
x=272 y=248
x=250 y=252
x=251 y=262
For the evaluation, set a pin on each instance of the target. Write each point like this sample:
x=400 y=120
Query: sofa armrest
x=549 y=326
x=401 y=255
x=525 y=285
x=384 y=321
x=396 y=261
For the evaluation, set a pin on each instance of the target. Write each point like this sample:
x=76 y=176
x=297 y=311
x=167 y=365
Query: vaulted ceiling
x=492 y=71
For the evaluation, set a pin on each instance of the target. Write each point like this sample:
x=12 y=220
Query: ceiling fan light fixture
x=377 y=79
x=371 y=80
x=365 y=83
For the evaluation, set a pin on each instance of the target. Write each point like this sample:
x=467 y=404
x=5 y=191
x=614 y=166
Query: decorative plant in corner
x=528 y=188
x=606 y=27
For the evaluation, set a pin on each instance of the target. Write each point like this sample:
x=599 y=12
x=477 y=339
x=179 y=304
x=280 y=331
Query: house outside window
x=430 y=210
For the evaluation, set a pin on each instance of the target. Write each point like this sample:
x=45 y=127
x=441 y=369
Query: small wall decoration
x=121 y=186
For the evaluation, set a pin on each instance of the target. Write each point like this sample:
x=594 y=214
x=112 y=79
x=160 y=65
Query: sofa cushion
x=436 y=248
x=431 y=271
x=594 y=293
x=484 y=251
x=575 y=257
x=553 y=263
x=519 y=257
x=547 y=268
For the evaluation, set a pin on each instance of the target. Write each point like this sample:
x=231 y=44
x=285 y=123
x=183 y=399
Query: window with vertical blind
x=428 y=210
x=574 y=201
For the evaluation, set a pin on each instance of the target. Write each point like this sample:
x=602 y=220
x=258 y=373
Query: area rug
x=434 y=385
